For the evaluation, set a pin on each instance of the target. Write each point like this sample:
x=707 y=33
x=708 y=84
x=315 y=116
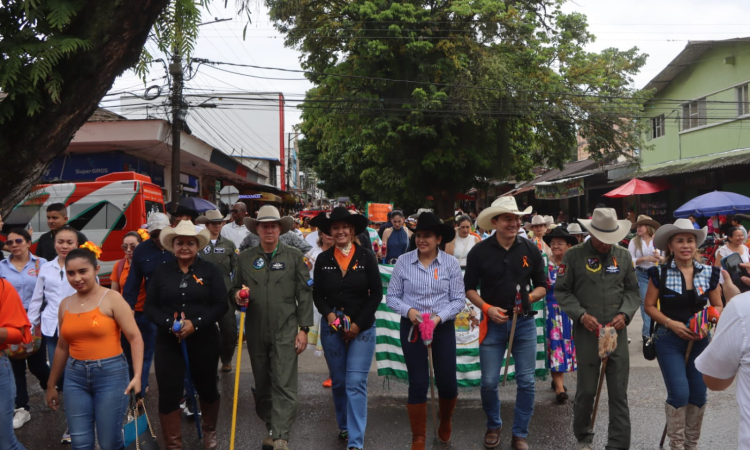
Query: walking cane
x=516 y=311
x=243 y=309
x=432 y=389
x=687 y=357
x=426 y=329
x=176 y=327
x=607 y=345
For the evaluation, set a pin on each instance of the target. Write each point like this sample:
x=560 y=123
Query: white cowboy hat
x=269 y=213
x=502 y=205
x=549 y=220
x=665 y=233
x=605 y=227
x=574 y=228
x=184 y=229
x=157 y=221
x=536 y=220
x=212 y=215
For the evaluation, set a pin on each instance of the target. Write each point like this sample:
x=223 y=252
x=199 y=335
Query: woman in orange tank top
x=97 y=382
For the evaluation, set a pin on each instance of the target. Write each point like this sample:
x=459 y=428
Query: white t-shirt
x=312 y=238
x=635 y=253
x=728 y=355
x=461 y=247
x=235 y=233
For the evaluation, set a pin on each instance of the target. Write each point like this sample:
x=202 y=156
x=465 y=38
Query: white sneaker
x=65 y=439
x=20 y=417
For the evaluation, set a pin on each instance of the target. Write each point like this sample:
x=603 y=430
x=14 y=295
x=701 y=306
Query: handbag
x=649 y=349
x=137 y=432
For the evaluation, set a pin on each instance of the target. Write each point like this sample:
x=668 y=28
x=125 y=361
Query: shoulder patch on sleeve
x=561 y=270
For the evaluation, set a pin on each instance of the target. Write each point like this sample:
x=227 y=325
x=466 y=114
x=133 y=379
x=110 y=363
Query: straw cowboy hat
x=560 y=233
x=157 y=221
x=212 y=215
x=341 y=214
x=269 y=213
x=646 y=220
x=574 y=228
x=665 y=233
x=184 y=229
x=502 y=205
x=536 y=220
x=605 y=227
x=428 y=221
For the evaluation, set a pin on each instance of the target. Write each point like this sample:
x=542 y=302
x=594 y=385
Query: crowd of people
x=173 y=297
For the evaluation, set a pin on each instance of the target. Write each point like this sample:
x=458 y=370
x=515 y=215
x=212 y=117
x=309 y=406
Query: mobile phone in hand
x=731 y=264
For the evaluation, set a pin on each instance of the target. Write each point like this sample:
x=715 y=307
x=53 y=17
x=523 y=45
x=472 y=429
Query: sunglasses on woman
x=128 y=246
x=15 y=241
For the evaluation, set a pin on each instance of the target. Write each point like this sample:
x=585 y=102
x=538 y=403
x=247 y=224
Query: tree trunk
x=118 y=31
x=444 y=204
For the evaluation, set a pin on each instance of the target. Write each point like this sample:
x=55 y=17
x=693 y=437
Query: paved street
x=388 y=426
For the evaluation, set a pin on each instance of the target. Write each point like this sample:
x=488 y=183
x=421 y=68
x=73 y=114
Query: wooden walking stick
x=516 y=311
x=426 y=330
x=245 y=295
x=607 y=345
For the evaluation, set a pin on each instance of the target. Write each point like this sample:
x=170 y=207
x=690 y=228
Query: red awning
x=638 y=187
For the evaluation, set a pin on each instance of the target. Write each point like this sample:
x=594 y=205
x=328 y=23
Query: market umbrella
x=194 y=203
x=638 y=187
x=714 y=203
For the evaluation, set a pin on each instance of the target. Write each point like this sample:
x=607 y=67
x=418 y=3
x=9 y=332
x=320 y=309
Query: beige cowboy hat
x=665 y=233
x=536 y=220
x=184 y=229
x=574 y=228
x=269 y=213
x=646 y=220
x=502 y=205
x=549 y=220
x=605 y=227
x=212 y=215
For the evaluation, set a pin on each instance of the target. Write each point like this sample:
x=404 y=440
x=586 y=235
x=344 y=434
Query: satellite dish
x=229 y=195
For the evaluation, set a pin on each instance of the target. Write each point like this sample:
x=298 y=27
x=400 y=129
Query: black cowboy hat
x=340 y=214
x=428 y=221
x=560 y=233
x=185 y=211
x=318 y=220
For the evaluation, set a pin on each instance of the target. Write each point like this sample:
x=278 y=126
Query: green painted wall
x=708 y=75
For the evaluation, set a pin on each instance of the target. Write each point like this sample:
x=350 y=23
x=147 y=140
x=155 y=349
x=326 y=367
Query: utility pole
x=175 y=69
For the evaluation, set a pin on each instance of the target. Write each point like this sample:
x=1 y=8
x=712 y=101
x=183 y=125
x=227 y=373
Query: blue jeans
x=148 y=333
x=51 y=342
x=95 y=397
x=642 y=288
x=8 y=439
x=417 y=362
x=349 y=365
x=491 y=353
x=684 y=382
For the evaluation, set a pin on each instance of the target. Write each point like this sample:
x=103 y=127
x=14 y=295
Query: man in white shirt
x=235 y=231
x=728 y=355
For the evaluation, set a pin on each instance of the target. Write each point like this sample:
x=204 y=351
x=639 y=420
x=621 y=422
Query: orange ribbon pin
x=198 y=280
x=525 y=262
x=436 y=277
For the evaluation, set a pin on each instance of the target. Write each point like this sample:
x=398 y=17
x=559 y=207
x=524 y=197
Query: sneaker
x=280 y=444
x=189 y=412
x=344 y=435
x=65 y=439
x=20 y=417
x=327 y=383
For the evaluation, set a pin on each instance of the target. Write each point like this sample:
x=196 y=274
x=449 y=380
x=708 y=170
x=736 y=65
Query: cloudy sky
x=660 y=28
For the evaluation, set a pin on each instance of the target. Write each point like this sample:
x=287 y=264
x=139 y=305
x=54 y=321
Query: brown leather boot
x=418 y=421
x=171 y=429
x=208 y=423
x=519 y=443
x=446 y=414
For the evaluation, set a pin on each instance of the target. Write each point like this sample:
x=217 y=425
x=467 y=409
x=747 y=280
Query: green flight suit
x=280 y=303
x=602 y=286
x=224 y=254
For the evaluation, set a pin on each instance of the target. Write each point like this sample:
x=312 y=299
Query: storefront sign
x=559 y=191
x=378 y=212
x=89 y=166
x=261 y=197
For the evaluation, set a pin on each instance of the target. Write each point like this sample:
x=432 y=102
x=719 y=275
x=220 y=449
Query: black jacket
x=358 y=293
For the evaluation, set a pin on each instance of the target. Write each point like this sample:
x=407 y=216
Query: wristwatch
x=305 y=329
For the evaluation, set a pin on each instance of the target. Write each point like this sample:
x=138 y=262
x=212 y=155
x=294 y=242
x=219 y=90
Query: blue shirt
x=437 y=289
x=147 y=257
x=25 y=280
x=696 y=226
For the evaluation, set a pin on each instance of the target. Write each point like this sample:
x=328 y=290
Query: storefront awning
x=697 y=164
x=260 y=197
x=560 y=189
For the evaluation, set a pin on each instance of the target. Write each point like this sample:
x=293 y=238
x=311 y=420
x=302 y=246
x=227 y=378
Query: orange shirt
x=12 y=316
x=124 y=278
x=91 y=335
x=343 y=259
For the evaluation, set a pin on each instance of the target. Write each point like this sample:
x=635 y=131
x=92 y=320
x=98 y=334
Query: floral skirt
x=561 y=350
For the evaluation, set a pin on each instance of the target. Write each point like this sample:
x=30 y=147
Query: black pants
x=444 y=362
x=38 y=366
x=169 y=365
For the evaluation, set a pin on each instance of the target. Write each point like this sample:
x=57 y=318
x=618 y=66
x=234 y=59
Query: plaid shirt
x=705 y=278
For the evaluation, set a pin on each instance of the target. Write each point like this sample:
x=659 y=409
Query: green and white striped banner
x=390 y=358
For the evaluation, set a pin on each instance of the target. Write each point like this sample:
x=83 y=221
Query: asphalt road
x=388 y=425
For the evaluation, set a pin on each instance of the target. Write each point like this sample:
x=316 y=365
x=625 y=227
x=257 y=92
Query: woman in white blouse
x=644 y=256
x=735 y=244
x=463 y=242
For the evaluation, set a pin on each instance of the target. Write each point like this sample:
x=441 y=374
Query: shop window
x=657 y=126
x=101 y=216
x=743 y=102
x=694 y=114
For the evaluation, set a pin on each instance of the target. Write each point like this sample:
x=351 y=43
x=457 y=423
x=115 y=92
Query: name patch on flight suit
x=219 y=250
x=259 y=263
x=593 y=265
x=277 y=266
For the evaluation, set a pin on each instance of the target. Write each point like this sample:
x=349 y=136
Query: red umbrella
x=638 y=187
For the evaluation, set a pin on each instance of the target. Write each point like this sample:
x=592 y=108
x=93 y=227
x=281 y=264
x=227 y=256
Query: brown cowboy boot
x=676 y=426
x=208 y=425
x=171 y=429
x=446 y=414
x=693 y=425
x=418 y=421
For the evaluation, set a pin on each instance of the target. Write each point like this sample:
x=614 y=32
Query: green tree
x=58 y=58
x=424 y=98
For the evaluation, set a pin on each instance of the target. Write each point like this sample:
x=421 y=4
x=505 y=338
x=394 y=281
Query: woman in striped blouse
x=428 y=281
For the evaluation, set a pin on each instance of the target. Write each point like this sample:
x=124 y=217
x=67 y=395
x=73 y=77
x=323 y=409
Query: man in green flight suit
x=596 y=286
x=222 y=252
x=279 y=316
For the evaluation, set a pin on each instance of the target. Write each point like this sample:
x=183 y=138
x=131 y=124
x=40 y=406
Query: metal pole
x=175 y=69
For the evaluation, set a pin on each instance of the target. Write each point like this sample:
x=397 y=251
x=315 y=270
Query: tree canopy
x=425 y=98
